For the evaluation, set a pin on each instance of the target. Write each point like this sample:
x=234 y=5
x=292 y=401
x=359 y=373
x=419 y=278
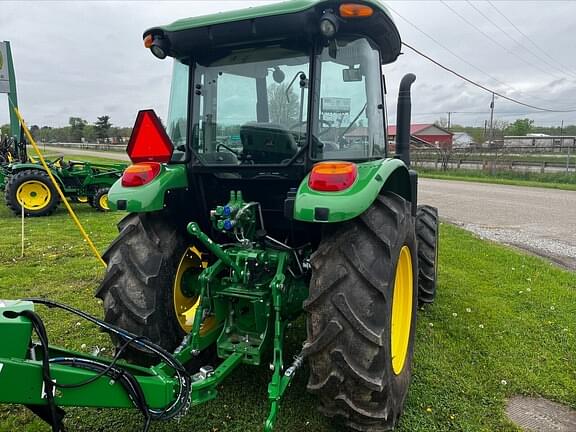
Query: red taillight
x=141 y=173
x=332 y=176
x=149 y=141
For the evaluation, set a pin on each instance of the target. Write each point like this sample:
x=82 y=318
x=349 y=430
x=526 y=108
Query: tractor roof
x=294 y=19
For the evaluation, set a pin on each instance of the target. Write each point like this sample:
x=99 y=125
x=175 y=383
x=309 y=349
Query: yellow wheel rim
x=186 y=306
x=82 y=199
x=103 y=202
x=402 y=310
x=33 y=195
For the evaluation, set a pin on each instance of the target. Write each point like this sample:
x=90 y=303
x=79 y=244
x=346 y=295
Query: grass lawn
x=503 y=324
x=550 y=181
x=78 y=157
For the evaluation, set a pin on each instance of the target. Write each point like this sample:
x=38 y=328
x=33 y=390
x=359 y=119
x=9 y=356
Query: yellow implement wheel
x=402 y=310
x=33 y=195
x=185 y=298
x=82 y=199
x=100 y=200
x=103 y=202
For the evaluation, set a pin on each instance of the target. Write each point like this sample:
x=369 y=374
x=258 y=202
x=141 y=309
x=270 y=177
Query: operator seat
x=266 y=143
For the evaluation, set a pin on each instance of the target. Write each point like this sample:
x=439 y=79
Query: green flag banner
x=4 y=74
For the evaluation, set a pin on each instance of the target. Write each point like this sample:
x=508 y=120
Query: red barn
x=428 y=132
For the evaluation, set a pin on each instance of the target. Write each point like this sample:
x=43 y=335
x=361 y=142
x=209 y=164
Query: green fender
x=374 y=176
x=148 y=197
x=14 y=168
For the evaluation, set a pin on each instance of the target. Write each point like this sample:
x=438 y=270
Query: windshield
x=250 y=107
x=350 y=124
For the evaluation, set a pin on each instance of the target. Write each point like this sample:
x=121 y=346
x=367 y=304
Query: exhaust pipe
x=403 y=117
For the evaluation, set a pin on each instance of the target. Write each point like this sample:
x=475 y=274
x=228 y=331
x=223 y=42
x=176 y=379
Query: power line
x=535 y=55
x=529 y=39
x=420 y=53
x=450 y=51
x=458 y=56
x=494 y=41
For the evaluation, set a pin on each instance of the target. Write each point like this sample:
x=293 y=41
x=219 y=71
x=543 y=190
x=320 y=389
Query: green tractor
x=28 y=185
x=270 y=196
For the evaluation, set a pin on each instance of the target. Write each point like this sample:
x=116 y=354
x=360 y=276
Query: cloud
x=86 y=58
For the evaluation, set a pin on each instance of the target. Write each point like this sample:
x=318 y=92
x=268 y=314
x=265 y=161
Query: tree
x=283 y=106
x=76 y=128
x=102 y=127
x=35 y=131
x=5 y=129
x=520 y=127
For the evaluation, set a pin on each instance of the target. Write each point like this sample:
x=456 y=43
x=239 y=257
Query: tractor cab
x=290 y=88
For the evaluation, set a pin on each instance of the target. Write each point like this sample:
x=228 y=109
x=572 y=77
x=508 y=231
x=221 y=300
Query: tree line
x=79 y=130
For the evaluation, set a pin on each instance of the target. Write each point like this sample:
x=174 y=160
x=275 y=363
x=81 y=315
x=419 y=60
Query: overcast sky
x=87 y=58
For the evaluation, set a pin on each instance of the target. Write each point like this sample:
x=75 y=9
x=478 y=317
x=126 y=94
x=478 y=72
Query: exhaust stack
x=403 y=117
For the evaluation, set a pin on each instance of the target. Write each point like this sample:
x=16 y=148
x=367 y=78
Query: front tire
x=100 y=200
x=362 y=316
x=33 y=190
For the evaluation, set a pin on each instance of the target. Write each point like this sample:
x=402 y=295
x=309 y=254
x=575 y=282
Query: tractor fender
x=14 y=168
x=150 y=196
x=373 y=178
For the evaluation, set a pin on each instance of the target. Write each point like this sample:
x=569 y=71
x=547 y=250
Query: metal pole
x=22 y=234
x=449 y=119
x=12 y=95
x=491 y=142
x=562 y=145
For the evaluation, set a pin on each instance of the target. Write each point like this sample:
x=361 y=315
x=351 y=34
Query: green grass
x=503 y=324
x=550 y=180
x=80 y=157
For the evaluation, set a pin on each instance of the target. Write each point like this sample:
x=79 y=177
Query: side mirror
x=351 y=74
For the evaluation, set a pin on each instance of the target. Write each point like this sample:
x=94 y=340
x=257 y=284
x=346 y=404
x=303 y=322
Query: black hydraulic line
x=181 y=399
x=40 y=329
x=101 y=374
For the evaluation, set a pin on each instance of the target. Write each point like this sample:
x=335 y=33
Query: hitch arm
x=195 y=230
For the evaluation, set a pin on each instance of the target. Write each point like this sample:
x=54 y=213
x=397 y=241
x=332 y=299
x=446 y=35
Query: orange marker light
x=148 y=41
x=332 y=176
x=353 y=10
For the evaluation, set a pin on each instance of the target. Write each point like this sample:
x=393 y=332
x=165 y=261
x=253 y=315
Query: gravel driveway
x=539 y=220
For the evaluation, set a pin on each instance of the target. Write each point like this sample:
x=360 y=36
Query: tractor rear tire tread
x=142 y=262
x=348 y=344
x=427 y=239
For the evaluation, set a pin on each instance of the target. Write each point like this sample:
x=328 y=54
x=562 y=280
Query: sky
x=86 y=59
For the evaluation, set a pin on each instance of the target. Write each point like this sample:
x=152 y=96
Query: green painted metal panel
x=22 y=382
x=14 y=168
x=149 y=197
x=347 y=204
x=283 y=8
x=15 y=333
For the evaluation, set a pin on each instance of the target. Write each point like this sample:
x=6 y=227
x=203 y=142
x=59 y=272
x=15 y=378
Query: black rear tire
x=349 y=317
x=137 y=289
x=427 y=238
x=33 y=176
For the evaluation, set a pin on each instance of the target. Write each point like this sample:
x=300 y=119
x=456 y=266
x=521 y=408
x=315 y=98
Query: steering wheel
x=231 y=150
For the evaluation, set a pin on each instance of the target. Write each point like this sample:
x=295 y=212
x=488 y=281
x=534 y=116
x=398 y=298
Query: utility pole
x=491 y=142
x=449 y=119
x=562 y=145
